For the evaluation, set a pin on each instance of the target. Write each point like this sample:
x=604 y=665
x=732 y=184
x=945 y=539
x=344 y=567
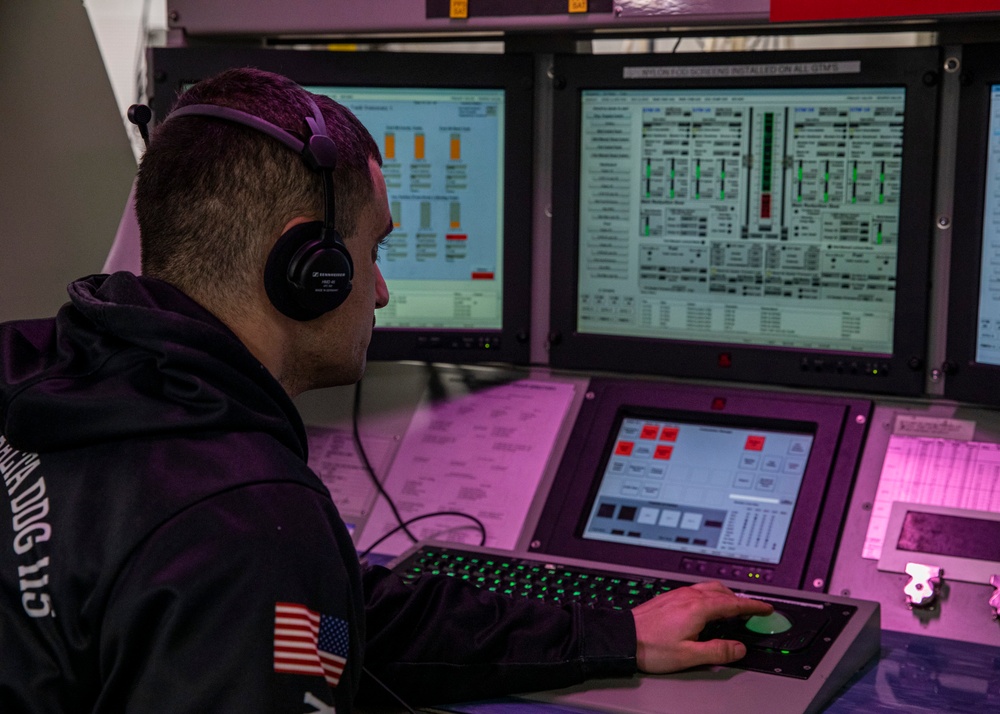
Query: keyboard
x=815 y=621
x=535 y=579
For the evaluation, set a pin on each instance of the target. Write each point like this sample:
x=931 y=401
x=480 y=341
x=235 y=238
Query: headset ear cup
x=309 y=270
x=307 y=274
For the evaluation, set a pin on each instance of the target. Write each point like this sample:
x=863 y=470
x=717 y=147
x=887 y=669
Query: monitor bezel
x=966 y=379
x=900 y=373
x=820 y=509
x=170 y=69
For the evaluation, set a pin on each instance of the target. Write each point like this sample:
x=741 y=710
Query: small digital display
x=702 y=488
x=956 y=536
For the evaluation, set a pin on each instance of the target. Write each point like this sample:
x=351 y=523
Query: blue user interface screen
x=988 y=337
x=443 y=162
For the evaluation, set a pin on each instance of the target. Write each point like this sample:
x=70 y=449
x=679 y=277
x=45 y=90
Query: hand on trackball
x=667 y=627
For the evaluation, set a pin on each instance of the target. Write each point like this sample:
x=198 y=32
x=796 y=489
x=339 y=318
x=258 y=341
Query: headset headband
x=318 y=151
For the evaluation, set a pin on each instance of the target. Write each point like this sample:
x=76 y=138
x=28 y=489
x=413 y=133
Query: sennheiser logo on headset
x=328 y=275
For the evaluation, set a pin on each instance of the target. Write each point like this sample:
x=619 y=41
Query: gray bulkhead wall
x=66 y=165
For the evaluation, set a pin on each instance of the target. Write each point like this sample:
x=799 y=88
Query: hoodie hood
x=133 y=357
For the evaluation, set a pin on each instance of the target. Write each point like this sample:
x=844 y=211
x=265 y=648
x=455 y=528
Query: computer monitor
x=727 y=483
x=455 y=136
x=759 y=217
x=972 y=366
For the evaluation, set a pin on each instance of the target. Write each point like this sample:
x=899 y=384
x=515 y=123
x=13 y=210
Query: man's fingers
x=721 y=602
x=714 y=652
x=667 y=627
x=749 y=606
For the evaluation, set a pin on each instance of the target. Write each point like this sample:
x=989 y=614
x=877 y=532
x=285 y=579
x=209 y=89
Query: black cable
x=391 y=693
x=403 y=524
x=368 y=467
x=385 y=536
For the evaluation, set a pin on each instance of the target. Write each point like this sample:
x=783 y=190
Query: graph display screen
x=762 y=219
x=443 y=162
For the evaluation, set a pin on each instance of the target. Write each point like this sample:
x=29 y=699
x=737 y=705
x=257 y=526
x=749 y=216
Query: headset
x=309 y=270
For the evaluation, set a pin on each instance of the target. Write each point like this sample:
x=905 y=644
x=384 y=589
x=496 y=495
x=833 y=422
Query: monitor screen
x=988 y=324
x=704 y=488
x=455 y=263
x=972 y=366
x=443 y=162
x=724 y=482
x=751 y=217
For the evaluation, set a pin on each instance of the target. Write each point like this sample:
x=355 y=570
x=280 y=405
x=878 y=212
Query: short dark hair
x=211 y=195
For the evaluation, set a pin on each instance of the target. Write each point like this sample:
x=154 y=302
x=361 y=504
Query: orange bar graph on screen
x=390 y=146
x=456 y=147
x=419 y=148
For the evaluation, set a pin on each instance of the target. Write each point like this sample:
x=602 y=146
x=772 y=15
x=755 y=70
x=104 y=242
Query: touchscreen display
x=702 y=488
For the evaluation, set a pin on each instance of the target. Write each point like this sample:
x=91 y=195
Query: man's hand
x=667 y=627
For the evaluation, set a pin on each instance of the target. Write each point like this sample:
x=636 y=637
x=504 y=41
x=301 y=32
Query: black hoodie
x=164 y=546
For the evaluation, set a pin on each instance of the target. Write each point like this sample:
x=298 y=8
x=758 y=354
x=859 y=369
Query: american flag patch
x=306 y=642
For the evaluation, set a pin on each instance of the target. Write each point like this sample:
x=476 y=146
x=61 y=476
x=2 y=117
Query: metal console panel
x=960 y=610
x=715 y=690
x=406 y=17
